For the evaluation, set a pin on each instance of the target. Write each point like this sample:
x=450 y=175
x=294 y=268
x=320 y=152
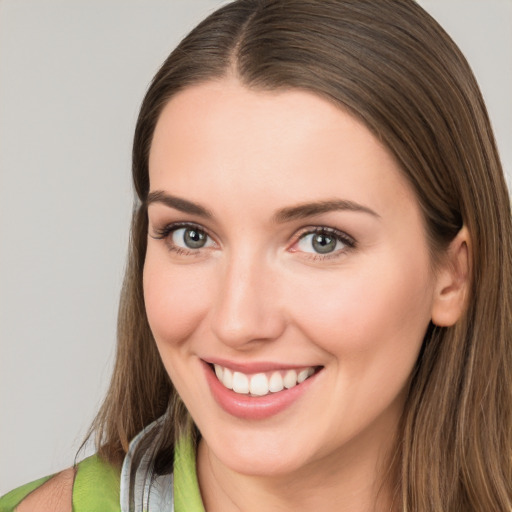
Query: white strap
x=150 y=494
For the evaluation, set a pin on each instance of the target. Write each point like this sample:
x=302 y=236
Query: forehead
x=288 y=145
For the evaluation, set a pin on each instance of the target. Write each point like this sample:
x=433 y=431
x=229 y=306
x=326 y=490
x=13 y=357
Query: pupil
x=324 y=243
x=194 y=239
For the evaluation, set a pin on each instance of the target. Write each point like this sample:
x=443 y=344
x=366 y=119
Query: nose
x=246 y=309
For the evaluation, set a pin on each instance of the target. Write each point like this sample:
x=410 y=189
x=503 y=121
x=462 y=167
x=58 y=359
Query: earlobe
x=452 y=282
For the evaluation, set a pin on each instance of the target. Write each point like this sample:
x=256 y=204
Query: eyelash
x=349 y=242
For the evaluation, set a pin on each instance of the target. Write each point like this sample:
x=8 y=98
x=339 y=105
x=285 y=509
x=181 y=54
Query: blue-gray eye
x=190 y=238
x=320 y=243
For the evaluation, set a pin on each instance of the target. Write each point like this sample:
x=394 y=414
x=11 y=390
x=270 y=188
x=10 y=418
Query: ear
x=452 y=281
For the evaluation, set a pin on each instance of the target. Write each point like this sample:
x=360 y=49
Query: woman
x=316 y=310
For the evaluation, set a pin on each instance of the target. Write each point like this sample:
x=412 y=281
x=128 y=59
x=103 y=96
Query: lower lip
x=254 y=407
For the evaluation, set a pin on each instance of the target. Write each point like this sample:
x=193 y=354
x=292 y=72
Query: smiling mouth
x=263 y=383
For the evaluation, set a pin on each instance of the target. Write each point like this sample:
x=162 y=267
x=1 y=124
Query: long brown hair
x=393 y=67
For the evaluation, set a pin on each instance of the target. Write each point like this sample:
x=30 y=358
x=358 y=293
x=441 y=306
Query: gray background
x=72 y=75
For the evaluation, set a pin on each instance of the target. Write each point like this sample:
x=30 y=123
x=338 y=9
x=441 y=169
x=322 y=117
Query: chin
x=259 y=454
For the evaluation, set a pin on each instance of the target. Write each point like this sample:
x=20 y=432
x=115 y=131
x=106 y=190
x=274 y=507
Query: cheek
x=176 y=299
x=372 y=324
x=379 y=310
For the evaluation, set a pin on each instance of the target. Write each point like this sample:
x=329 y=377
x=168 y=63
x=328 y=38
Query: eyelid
x=167 y=229
x=326 y=229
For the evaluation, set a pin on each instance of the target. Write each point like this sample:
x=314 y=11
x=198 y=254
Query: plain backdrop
x=72 y=76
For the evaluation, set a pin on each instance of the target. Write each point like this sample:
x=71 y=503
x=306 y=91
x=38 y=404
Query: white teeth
x=290 y=379
x=276 y=382
x=240 y=383
x=261 y=384
x=302 y=376
x=227 y=378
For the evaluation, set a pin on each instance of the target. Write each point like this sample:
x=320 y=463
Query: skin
x=258 y=292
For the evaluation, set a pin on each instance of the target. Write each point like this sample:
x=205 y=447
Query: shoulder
x=49 y=493
x=55 y=494
x=93 y=484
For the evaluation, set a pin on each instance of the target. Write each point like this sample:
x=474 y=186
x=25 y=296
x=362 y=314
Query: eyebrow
x=305 y=210
x=287 y=214
x=182 y=205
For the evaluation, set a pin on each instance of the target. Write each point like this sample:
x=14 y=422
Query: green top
x=96 y=485
x=187 y=497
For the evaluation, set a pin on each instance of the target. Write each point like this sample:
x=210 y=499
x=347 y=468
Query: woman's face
x=283 y=244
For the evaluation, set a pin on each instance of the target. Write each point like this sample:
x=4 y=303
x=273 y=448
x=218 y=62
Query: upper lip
x=255 y=366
